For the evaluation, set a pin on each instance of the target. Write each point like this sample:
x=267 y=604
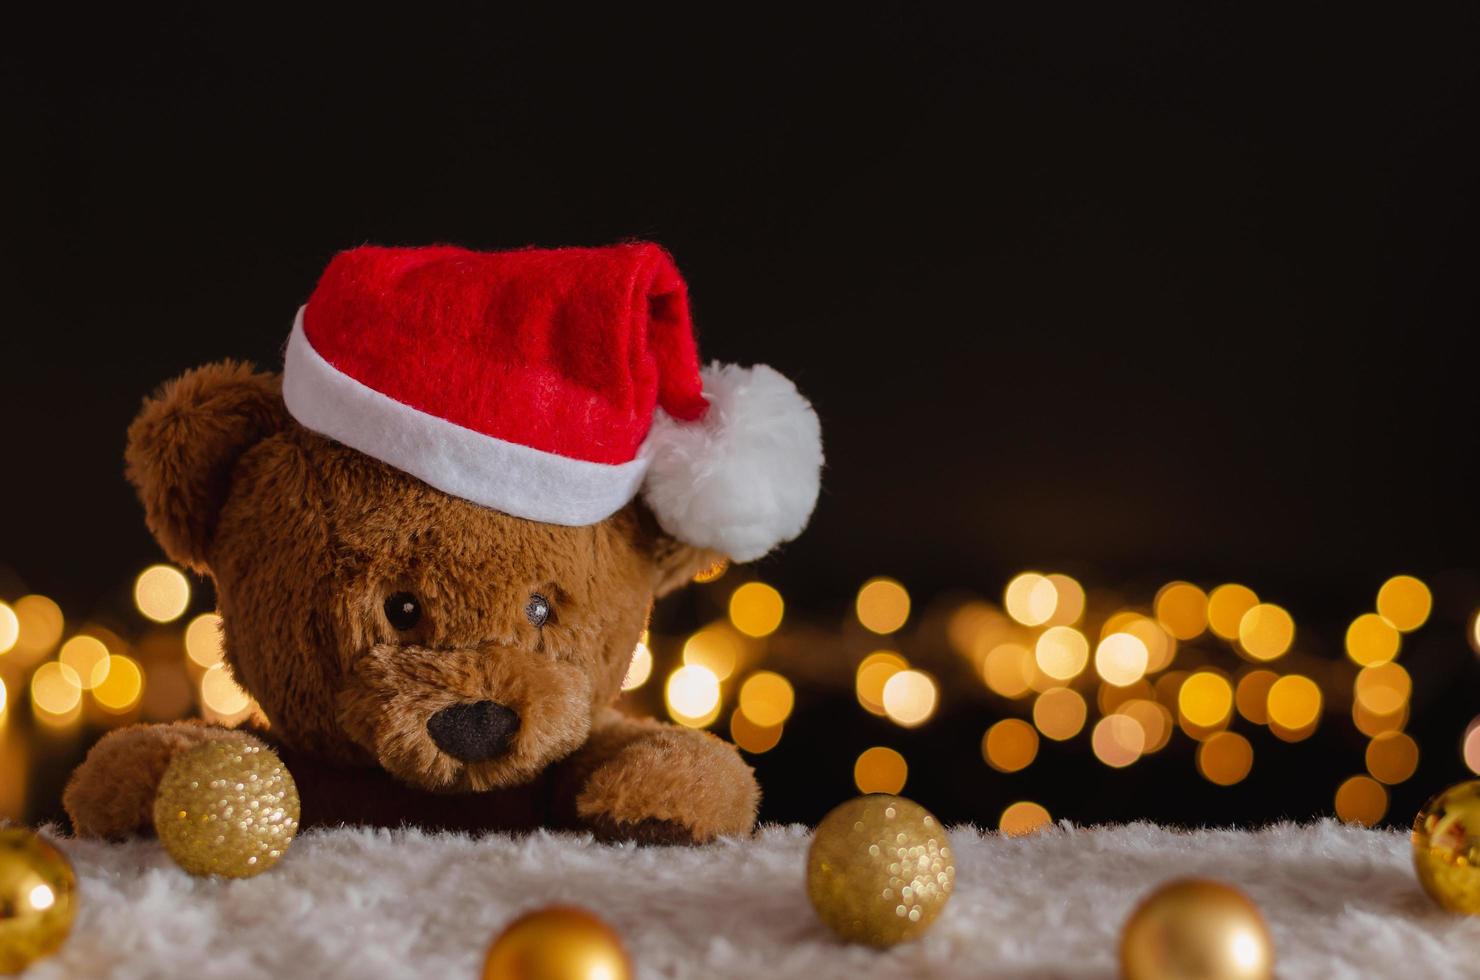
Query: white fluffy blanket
x=1341 y=902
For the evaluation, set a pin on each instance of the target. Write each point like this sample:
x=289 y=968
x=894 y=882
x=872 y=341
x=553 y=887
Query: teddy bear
x=436 y=537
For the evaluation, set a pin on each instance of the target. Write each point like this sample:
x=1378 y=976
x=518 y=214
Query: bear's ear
x=184 y=443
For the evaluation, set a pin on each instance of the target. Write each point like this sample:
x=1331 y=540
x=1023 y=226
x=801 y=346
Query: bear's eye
x=403 y=610
x=537 y=610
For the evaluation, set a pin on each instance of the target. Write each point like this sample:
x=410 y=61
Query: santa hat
x=554 y=385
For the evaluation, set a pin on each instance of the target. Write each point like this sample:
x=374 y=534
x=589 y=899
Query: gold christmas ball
x=37 y=889
x=557 y=943
x=1196 y=929
x=1446 y=848
x=226 y=808
x=880 y=870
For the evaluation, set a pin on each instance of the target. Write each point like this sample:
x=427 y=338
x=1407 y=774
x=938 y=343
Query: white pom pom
x=745 y=477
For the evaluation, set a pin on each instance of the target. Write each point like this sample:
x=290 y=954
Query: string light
x=1205 y=699
x=56 y=691
x=692 y=695
x=1470 y=746
x=1008 y=670
x=1182 y=610
x=909 y=698
x=88 y=658
x=1372 y=724
x=1010 y=745
x=1225 y=758
x=1383 y=688
x=122 y=685
x=1266 y=631
x=39 y=625
x=162 y=593
x=1155 y=721
x=883 y=605
x=10 y=628
x=1059 y=713
x=203 y=640
x=1117 y=740
x=1030 y=599
x=716 y=648
x=1361 y=800
x=1121 y=659
x=751 y=737
x=220 y=692
x=640 y=668
x=1068 y=600
x=1372 y=639
x=880 y=770
x=1252 y=695
x=766 y=698
x=1293 y=703
x=756 y=609
x=1061 y=652
x=873 y=673
x=1226 y=607
x=1405 y=602
x=1392 y=757
x=1021 y=818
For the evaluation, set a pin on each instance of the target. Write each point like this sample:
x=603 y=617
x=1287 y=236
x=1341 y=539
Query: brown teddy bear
x=436 y=538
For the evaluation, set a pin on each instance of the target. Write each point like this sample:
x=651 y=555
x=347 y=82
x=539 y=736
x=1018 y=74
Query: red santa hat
x=554 y=385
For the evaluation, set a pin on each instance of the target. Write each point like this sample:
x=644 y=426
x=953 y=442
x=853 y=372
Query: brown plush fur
x=306 y=538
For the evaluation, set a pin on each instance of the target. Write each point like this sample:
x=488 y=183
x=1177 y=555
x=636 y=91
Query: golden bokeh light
x=1226 y=607
x=1470 y=747
x=692 y=695
x=640 y=668
x=39 y=624
x=1059 y=713
x=1405 y=602
x=975 y=627
x=10 y=627
x=1008 y=670
x=716 y=648
x=1205 y=699
x=1118 y=740
x=751 y=737
x=55 y=689
x=220 y=692
x=880 y=770
x=1155 y=721
x=1110 y=697
x=1372 y=639
x=1225 y=758
x=1392 y=757
x=1383 y=688
x=1251 y=696
x=909 y=698
x=1023 y=817
x=873 y=673
x=1161 y=646
x=767 y=698
x=1361 y=800
x=1293 y=703
x=203 y=640
x=1061 y=652
x=756 y=609
x=1371 y=724
x=883 y=605
x=1121 y=659
x=4 y=697
x=1169 y=686
x=1266 y=631
x=1010 y=745
x=88 y=658
x=1031 y=599
x=1182 y=610
x=1068 y=600
x=162 y=593
x=122 y=685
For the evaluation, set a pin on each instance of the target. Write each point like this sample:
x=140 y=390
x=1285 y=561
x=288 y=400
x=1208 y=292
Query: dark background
x=1134 y=294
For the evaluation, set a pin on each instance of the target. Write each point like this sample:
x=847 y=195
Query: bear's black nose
x=475 y=731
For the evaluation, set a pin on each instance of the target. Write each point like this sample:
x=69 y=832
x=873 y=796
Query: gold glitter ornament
x=37 y=889
x=1446 y=848
x=557 y=943
x=226 y=808
x=880 y=869
x=1196 y=928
